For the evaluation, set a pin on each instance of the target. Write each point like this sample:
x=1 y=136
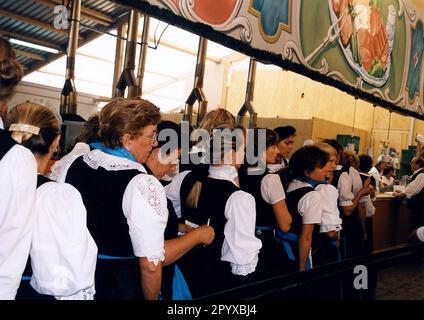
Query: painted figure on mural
x=362 y=29
x=415 y=60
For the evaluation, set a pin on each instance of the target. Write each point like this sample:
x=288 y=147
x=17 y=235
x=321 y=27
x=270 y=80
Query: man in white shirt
x=415 y=191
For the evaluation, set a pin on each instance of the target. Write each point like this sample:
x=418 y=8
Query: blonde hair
x=126 y=116
x=35 y=115
x=217 y=118
x=227 y=139
x=11 y=71
x=327 y=148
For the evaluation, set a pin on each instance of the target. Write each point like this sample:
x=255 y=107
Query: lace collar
x=273 y=168
x=225 y=172
x=97 y=158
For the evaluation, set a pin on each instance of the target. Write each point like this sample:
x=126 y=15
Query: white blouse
x=310 y=206
x=415 y=186
x=144 y=205
x=63 y=253
x=60 y=167
x=240 y=247
x=173 y=191
x=330 y=220
x=18 y=182
x=345 y=188
x=272 y=190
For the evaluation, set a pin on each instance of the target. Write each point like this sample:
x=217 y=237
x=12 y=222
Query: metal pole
x=119 y=54
x=250 y=90
x=143 y=54
x=197 y=92
x=127 y=78
x=68 y=99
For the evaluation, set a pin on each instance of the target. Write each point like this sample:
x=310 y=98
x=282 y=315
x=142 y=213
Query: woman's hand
x=184 y=228
x=205 y=234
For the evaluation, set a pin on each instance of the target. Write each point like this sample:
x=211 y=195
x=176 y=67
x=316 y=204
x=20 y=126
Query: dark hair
x=35 y=115
x=335 y=145
x=365 y=163
x=285 y=132
x=91 y=129
x=305 y=159
x=126 y=116
x=387 y=170
x=11 y=71
x=271 y=139
x=420 y=161
x=169 y=125
x=350 y=159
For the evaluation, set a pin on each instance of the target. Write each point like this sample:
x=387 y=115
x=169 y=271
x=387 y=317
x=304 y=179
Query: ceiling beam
x=176 y=47
x=92 y=36
x=29 y=55
x=87 y=13
x=234 y=57
x=30 y=39
x=34 y=22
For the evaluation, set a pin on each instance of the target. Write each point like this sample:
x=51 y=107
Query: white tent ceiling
x=168 y=69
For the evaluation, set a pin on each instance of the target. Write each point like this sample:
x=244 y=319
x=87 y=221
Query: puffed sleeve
x=18 y=181
x=310 y=207
x=344 y=187
x=173 y=191
x=240 y=247
x=63 y=253
x=145 y=207
x=272 y=189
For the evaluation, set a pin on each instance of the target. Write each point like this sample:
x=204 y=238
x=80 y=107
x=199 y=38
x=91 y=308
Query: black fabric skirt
x=118 y=280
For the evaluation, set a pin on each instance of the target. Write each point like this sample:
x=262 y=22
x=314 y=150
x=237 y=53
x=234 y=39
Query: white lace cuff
x=84 y=294
x=156 y=259
x=245 y=269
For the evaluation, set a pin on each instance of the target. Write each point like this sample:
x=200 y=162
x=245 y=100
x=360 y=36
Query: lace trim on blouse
x=153 y=192
x=156 y=260
x=244 y=270
x=97 y=158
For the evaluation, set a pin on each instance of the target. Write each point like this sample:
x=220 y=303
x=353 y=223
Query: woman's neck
x=42 y=163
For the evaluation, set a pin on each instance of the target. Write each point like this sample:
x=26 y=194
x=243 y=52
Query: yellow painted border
x=282 y=26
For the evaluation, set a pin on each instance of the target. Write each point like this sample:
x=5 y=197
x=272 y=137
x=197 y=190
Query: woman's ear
x=55 y=144
x=126 y=140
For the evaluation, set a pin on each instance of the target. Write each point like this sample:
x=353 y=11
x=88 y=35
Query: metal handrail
x=339 y=270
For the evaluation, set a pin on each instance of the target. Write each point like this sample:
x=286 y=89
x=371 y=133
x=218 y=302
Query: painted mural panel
x=375 y=46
